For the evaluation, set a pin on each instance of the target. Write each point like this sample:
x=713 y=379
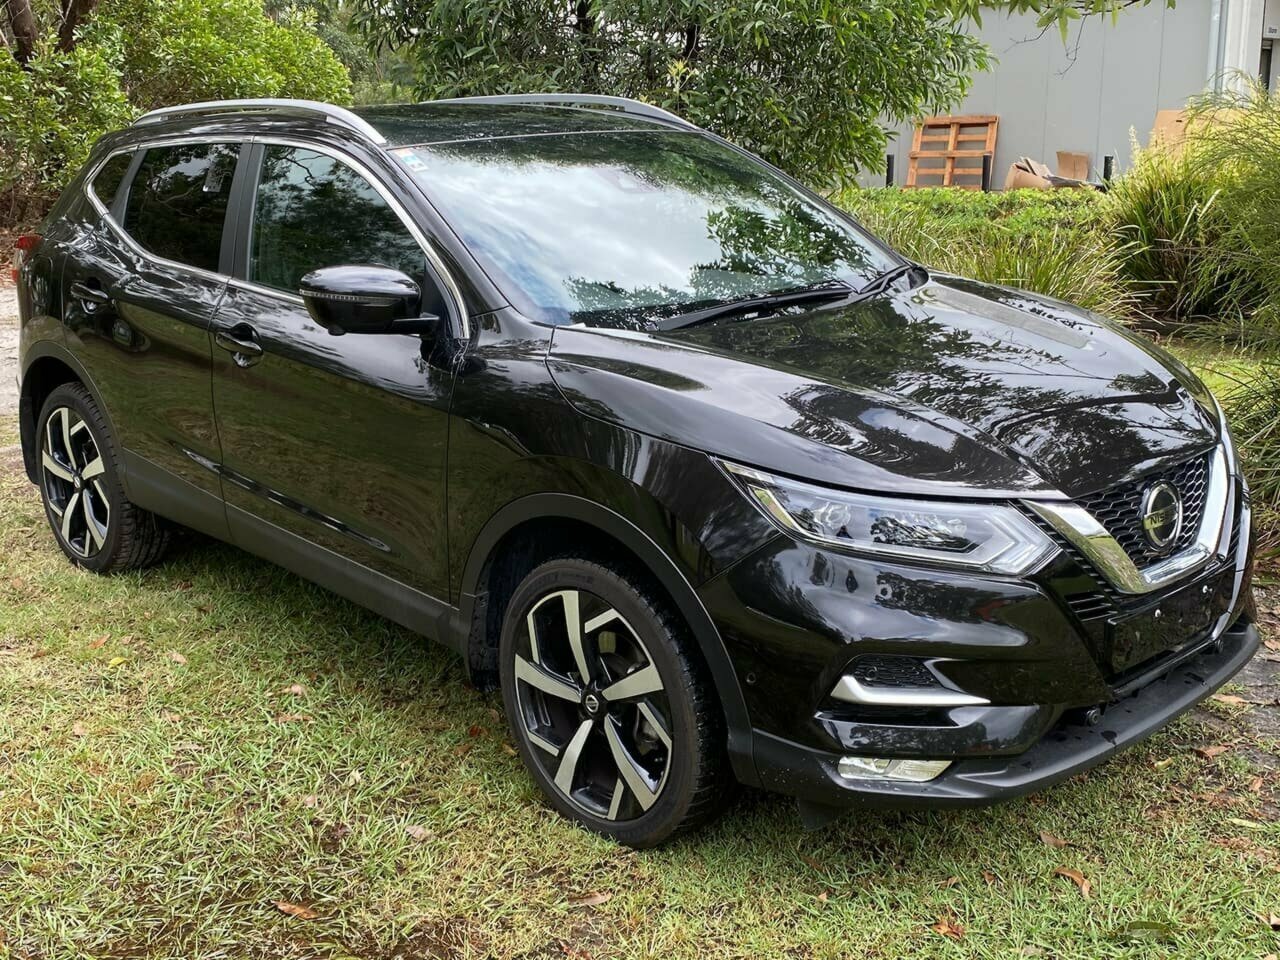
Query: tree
x=807 y=83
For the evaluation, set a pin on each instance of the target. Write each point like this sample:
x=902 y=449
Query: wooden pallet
x=966 y=139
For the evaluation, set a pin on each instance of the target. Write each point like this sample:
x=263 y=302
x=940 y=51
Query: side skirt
x=418 y=611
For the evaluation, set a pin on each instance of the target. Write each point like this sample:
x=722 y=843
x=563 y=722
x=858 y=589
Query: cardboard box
x=1170 y=129
x=1027 y=174
x=1073 y=166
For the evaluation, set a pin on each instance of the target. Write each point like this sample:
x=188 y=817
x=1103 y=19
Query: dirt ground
x=1260 y=680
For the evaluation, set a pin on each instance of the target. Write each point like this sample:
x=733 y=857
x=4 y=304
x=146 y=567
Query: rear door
x=330 y=441
x=140 y=295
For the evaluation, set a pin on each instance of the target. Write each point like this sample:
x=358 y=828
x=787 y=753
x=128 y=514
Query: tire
x=636 y=753
x=93 y=521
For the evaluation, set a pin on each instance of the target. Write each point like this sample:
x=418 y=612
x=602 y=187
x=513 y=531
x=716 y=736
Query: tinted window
x=178 y=201
x=107 y=180
x=313 y=211
x=619 y=228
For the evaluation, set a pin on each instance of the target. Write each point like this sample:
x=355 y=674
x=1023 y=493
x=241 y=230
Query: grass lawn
x=183 y=748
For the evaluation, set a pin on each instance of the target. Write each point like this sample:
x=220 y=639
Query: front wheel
x=613 y=712
x=95 y=524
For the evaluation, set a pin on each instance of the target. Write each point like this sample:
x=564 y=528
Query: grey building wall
x=1085 y=96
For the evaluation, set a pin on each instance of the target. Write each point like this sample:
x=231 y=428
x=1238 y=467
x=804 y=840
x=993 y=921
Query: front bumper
x=1069 y=746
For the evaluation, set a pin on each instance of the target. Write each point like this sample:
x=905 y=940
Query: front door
x=330 y=441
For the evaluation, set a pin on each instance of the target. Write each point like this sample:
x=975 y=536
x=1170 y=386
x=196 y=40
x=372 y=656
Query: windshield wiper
x=817 y=293
x=883 y=281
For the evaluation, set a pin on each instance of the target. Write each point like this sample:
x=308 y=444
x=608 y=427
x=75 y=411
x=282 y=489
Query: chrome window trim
x=1091 y=538
x=119 y=229
x=452 y=290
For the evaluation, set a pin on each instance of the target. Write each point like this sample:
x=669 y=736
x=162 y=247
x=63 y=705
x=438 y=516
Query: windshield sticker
x=409 y=157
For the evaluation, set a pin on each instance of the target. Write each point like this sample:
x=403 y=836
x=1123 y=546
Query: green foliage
x=1167 y=208
x=1049 y=241
x=50 y=115
x=806 y=83
x=176 y=51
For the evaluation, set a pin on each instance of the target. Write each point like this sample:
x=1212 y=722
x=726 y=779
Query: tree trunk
x=23 y=24
x=74 y=13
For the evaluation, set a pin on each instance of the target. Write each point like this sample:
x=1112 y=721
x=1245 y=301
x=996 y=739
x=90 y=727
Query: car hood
x=952 y=388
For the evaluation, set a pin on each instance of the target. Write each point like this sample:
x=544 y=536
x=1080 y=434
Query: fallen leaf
x=176 y=657
x=354 y=777
x=1210 y=752
x=509 y=750
x=822 y=897
x=475 y=730
x=1049 y=840
x=1076 y=877
x=463 y=749
x=77 y=729
x=990 y=877
x=296 y=689
x=418 y=832
x=98 y=642
x=296 y=910
x=1146 y=930
x=126 y=640
x=1255 y=785
x=591 y=899
x=310 y=801
x=1230 y=699
x=948 y=927
x=1161 y=764
x=116 y=661
x=42 y=652
x=1246 y=824
x=1271 y=644
x=949 y=882
x=1271 y=919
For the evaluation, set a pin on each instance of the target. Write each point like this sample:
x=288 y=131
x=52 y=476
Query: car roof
x=432 y=122
x=445 y=122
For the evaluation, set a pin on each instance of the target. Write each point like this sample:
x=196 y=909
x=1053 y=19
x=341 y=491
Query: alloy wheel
x=72 y=482
x=592 y=705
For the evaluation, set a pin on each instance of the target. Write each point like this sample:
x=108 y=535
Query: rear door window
x=178 y=201
x=109 y=177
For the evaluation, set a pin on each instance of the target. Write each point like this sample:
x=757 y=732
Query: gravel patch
x=8 y=350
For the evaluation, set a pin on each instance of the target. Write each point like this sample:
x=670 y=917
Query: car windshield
x=622 y=229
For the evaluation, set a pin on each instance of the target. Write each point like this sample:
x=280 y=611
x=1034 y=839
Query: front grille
x=877 y=670
x=1119 y=509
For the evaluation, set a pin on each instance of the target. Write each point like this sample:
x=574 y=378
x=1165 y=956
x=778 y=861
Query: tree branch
x=74 y=12
x=23 y=24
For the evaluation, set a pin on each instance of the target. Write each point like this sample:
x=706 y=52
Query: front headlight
x=989 y=537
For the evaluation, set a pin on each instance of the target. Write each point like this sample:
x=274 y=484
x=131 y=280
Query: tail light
x=23 y=248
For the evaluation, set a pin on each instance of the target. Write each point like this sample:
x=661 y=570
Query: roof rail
x=622 y=104
x=313 y=108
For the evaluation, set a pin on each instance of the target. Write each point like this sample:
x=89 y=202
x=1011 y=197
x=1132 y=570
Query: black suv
x=712 y=483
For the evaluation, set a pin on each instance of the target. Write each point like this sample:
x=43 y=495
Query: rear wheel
x=94 y=523
x=612 y=712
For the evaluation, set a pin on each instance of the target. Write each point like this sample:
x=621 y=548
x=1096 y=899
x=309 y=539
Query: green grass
x=152 y=808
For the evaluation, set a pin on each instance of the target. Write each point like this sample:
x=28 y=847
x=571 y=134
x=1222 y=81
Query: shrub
x=177 y=51
x=1049 y=241
x=50 y=115
x=1167 y=210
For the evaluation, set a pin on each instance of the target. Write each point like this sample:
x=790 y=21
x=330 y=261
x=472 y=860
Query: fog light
x=885 y=768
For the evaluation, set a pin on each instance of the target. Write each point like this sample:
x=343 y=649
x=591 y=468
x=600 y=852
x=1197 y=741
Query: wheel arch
x=48 y=366
x=518 y=523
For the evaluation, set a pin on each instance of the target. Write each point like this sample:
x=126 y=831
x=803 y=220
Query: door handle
x=90 y=297
x=243 y=344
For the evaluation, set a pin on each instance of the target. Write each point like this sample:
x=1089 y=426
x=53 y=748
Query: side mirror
x=364 y=299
